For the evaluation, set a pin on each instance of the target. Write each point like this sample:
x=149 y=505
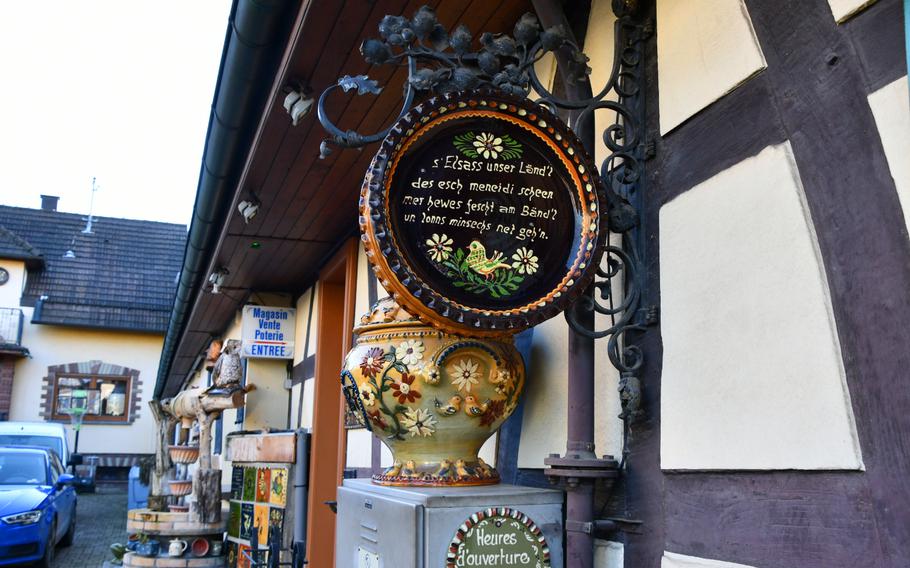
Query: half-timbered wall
x=777 y=205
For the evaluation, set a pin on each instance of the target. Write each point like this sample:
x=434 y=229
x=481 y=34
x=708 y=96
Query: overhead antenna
x=91 y=205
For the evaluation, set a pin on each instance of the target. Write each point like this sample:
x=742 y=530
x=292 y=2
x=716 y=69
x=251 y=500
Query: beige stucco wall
x=843 y=10
x=752 y=371
x=11 y=292
x=705 y=49
x=891 y=108
x=56 y=345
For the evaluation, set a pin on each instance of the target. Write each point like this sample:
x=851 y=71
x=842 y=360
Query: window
x=19 y=468
x=106 y=397
x=49 y=442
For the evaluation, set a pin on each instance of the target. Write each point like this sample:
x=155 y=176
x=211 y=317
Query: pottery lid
x=386 y=313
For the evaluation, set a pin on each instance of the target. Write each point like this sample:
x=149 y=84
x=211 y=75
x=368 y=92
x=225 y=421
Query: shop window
x=106 y=397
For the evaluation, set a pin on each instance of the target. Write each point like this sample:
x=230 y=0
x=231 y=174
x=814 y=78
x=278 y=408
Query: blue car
x=37 y=506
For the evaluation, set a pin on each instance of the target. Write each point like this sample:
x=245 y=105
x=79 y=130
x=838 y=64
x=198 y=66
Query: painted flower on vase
x=430 y=374
x=404 y=390
x=487 y=145
x=373 y=362
x=368 y=396
x=465 y=374
x=492 y=412
x=418 y=422
x=376 y=418
x=410 y=352
x=525 y=261
x=440 y=247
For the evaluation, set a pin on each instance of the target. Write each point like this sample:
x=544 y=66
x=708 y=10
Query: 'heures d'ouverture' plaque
x=481 y=213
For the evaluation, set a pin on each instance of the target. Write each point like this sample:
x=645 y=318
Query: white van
x=41 y=434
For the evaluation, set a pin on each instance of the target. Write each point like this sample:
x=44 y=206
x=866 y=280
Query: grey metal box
x=412 y=527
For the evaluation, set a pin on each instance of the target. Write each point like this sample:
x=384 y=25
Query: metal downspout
x=580 y=420
x=253 y=44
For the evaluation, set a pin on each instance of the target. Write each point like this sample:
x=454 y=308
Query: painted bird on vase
x=451 y=407
x=472 y=407
x=445 y=469
x=478 y=262
x=461 y=469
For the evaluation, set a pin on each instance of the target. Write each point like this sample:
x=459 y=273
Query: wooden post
x=158 y=489
x=206 y=481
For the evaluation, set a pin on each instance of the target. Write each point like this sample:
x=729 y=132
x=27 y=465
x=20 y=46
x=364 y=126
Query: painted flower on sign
x=410 y=352
x=524 y=261
x=440 y=247
x=419 y=422
x=487 y=145
x=372 y=362
x=403 y=389
x=465 y=374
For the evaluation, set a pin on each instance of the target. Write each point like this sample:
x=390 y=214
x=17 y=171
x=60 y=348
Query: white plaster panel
x=843 y=10
x=673 y=560
x=608 y=554
x=752 y=372
x=891 y=108
x=705 y=49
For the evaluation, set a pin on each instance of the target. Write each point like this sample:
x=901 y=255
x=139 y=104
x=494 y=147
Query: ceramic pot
x=434 y=398
x=150 y=548
x=180 y=487
x=183 y=454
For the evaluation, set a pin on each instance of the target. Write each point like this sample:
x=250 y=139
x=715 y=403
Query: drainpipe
x=580 y=467
x=301 y=470
x=253 y=46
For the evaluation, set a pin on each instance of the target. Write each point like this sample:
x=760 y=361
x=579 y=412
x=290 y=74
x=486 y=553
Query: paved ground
x=100 y=522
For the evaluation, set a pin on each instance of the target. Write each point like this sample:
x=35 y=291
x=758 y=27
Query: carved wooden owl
x=228 y=371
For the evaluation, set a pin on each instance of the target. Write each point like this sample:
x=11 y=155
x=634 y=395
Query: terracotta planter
x=178 y=508
x=183 y=454
x=180 y=487
x=432 y=397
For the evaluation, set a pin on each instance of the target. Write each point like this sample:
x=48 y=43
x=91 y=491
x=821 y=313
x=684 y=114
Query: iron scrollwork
x=441 y=62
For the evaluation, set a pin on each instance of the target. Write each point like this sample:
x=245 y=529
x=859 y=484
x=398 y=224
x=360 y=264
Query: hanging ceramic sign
x=481 y=213
x=499 y=536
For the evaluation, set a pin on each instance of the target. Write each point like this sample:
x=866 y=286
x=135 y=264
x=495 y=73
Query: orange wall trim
x=334 y=336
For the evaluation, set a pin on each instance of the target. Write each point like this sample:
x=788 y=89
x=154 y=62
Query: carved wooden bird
x=228 y=371
x=449 y=408
x=472 y=408
x=478 y=262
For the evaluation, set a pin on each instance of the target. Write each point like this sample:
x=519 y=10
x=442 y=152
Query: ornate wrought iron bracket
x=439 y=62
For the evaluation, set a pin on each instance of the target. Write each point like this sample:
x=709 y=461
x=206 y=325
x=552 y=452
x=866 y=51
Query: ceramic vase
x=434 y=398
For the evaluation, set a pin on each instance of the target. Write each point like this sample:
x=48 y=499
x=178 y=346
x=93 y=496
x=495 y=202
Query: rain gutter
x=254 y=43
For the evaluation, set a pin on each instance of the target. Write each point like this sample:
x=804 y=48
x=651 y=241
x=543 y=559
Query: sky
x=119 y=90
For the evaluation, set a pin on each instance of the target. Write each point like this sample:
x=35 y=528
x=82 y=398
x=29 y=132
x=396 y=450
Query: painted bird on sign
x=478 y=262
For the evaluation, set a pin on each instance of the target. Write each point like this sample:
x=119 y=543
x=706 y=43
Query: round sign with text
x=481 y=213
x=499 y=536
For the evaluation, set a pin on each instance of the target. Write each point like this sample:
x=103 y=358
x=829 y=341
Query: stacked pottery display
x=433 y=397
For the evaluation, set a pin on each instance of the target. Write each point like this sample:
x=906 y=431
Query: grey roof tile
x=123 y=275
